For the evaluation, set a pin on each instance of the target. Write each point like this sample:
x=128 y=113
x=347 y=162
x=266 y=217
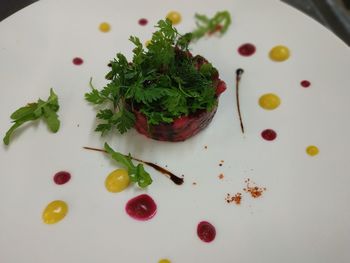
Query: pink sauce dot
x=305 y=83
x=206 y=231
x=141 y=207
x=143 y=21
x=246 y=50
x=269 y=134
x=77 y=61
x=61 y=177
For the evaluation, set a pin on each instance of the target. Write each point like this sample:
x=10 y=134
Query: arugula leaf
x=142 y=177
x=220 y=22
x=33 y=111
x=17 y=124
x=51 y=118
x=137 y=173
x=23 y=111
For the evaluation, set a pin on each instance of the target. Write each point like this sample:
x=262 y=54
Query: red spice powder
x=234 y=198
x=221 y=176
x=255 y=191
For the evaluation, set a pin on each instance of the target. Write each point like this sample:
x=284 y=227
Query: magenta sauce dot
x=246 y=49
x=78 y=61
x=141 y=207
x=305 y=83
x=269 y=134
x=206 y=231
x=61 y=177
x=143 y=21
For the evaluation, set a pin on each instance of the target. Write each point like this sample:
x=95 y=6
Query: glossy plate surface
x=303 y=216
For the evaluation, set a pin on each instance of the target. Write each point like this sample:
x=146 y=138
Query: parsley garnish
x=163 y=81
x=137 y=173
x=33 y=111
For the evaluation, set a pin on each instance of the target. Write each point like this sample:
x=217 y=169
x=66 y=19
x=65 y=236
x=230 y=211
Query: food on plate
x=33 y=111
x=165 y=92
x=137 y=173
x=117 y=181
x=55 y=212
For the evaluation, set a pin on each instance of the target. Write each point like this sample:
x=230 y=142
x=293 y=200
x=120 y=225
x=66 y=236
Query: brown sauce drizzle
x=239 y=73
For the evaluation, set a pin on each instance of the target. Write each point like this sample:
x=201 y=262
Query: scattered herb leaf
x=137 y=173
x=33 y=111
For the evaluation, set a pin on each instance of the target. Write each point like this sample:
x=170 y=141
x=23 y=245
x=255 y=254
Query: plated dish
x=266 y=181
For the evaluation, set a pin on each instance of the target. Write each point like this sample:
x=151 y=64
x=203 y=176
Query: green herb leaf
x=33 y=111
x=24 y=111
x=94 y=96
x=17 y=124
x=51 y=118
x=163 y=81
x=105 y=114
x=143 y=178
x=125 y=121
x=219 y=23
x=137 y=173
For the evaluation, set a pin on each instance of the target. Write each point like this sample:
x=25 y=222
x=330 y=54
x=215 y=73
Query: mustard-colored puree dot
x=174 y=17
x=117 y=181
x=279 y=53
x=269 y=101
x=147 y=43
x=55 y=212
x=104 y=27
x=164 y=261
x=312 y=150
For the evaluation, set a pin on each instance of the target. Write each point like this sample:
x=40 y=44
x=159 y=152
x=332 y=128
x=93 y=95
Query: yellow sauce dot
x=269 y=101
x=279 y=53
x=164 y=261
x=117 y=181
x=55 y=212
x=174 y=17
x=104 y=27
x=147 y=43
x=312 y=150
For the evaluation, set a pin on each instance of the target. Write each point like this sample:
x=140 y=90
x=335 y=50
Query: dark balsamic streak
x=239 y=73
x=177 y=180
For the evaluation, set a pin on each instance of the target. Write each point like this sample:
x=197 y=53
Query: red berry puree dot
x=206 y=231
x=305 y=83
x=61 y=177
x=78 y=61
x=246 y=50
x=143 y=22
x=269 y=134
x=141 y=207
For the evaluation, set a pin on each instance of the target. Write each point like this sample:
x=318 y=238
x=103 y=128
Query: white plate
x=304 y=214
